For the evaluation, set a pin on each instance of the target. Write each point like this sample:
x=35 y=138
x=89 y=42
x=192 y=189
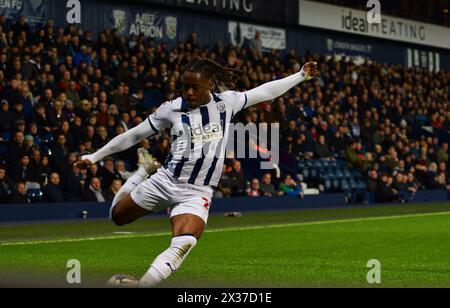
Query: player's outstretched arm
x=120 y=143
x=274 y=89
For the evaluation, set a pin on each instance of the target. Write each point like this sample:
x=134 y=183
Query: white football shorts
x=161 y=191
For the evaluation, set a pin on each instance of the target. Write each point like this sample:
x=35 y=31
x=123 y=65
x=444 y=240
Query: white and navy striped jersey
x=199 y=136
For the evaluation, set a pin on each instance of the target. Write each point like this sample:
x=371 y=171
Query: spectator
x=19 y=195
x=352 y=155
x=237 y=179
x=45 y=165
x=120 y=170
x=290 y=188
x=41 y=120
x=53 y=192
x=100 y=139
x=16 y=150
x=162 y=150
x=94 y=193
x=59 y=154
x=256 y=46
x=24 y=172
x=368 y=114
x=443 y=153
x=225 y=189
x=385 y=192
x=6 y=118
x=432 y=179
x=321 y=148
x=412 y=186
x=254 y=190
x=72 y=185
x=107 y=173
x=266 y=187
x=113 y=190
x=373 y=181
x=6 y=186
x=400 y=185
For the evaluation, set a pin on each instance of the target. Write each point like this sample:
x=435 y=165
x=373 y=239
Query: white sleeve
x=272 y=90
x=160 y=119
x=153 y=124
x=122 y=142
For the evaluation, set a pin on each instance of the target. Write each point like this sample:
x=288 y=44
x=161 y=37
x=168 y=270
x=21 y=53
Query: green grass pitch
x=315 y=248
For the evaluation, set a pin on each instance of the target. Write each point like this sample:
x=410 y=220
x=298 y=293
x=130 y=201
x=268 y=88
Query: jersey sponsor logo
x=205 y=134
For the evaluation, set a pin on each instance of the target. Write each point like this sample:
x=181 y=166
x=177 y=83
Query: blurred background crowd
x=378 y=132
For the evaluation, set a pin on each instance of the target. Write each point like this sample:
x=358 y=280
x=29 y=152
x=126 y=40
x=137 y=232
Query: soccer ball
x=123 y=281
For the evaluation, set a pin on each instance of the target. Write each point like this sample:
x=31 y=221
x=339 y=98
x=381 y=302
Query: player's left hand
x=310 y=70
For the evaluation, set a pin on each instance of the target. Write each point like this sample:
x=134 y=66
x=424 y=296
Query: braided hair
x=214 y=71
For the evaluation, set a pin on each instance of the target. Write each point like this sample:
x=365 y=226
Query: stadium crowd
x=64 y=93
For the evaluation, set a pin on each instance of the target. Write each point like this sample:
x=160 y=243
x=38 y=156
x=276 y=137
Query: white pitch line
x=275 y=226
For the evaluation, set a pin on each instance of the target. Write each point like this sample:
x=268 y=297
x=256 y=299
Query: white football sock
x=140 y=176
x=169 y=261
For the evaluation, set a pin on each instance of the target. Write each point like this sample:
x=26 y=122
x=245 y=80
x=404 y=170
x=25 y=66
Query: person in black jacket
x=321 y=149
x=16 y=150
x=53 y=192
x=24 y=171
x=94 y=193
x=113 y=190
x=385 y=192
x=237 y=179
x=6 y=186
x=20 y=194
x=372 y=183
x=72 y=185
x=59 y=155
x=7 y=123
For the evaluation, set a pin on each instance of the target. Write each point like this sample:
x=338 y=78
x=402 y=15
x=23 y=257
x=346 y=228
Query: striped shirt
x=199 y=136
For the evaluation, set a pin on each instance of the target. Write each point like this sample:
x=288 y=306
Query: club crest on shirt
x=222 y=107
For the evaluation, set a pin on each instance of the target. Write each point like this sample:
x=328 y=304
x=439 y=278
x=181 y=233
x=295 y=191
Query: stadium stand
x=64 y=94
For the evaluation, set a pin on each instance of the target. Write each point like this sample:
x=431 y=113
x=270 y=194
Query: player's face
x=196 y=89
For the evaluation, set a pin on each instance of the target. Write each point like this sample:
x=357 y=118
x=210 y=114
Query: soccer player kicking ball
x=199 y=123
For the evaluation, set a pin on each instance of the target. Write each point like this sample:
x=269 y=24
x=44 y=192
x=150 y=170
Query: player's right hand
x=85 y=162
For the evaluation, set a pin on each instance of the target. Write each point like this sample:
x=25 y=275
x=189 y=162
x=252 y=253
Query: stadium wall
x=73 y=211
x=215 y=25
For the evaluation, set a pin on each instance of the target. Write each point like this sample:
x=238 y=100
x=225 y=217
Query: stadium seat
x=32 y=186
x=328 y=185
x=35 y=195
x=320 y=164
x=336 y=184
x=347 y=174
x=3 y=149
x=361 y=186
x=356 y=174
x=306 y=174
x=325 y=163
x=6 y=137
x=333 y=164
x=325 y=176
x=345 y=186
